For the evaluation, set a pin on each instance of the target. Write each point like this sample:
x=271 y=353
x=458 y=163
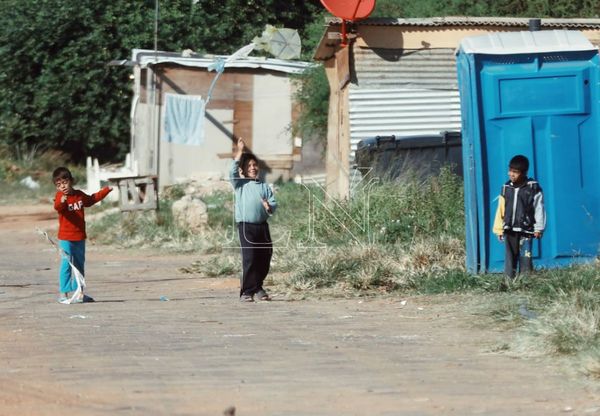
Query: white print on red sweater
x=76 y=206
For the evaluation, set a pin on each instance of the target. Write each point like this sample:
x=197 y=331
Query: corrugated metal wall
x=403 y=92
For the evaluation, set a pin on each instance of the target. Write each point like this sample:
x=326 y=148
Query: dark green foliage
x=450 y=281
x=390 y=8
x=56 y=88
x=313 y=97
x=514 y=8
x=57 y=92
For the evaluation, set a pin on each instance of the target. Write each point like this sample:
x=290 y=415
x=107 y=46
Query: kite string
x=79 y=277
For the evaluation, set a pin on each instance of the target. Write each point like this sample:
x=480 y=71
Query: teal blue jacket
x=249 y=194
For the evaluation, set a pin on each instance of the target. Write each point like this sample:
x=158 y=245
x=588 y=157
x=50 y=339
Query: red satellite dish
x=349 y=9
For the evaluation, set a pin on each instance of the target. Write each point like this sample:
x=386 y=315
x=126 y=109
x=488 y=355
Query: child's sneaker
x=262 y=295
x=246 y=298
x=63 y=300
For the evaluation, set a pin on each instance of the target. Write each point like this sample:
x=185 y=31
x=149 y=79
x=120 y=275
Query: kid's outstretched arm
x=234 y=173
x=240 y=148
x=90 y=200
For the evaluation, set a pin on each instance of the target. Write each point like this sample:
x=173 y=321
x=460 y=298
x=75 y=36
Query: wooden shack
x=398 y=77
x=253 y=99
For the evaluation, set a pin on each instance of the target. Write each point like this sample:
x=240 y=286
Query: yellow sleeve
x=499 y=219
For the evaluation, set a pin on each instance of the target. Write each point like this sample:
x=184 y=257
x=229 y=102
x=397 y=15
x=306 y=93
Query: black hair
x=520 y=163
x=61 y=173
x=245 y=160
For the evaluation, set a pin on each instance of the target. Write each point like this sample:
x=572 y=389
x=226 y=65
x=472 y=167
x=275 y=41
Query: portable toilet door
x=535 y=94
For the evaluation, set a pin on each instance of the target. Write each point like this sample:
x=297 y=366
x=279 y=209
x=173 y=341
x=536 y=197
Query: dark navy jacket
x=520 y=209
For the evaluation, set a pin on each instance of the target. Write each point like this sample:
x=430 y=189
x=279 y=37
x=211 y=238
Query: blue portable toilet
x=536 y=94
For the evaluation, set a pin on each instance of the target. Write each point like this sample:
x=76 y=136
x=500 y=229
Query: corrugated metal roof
x=392 y=68
x=507 y=43
x=475 y=21
x=327 y=47
x=145 y=57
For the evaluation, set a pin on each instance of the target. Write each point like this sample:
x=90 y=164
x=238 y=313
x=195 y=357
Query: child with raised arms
x=254 y=204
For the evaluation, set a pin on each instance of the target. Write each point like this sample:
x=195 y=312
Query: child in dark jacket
x=69 y=203
x=520 y=217
x=254 y=204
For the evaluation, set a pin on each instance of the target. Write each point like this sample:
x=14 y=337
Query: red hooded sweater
x=71 y=219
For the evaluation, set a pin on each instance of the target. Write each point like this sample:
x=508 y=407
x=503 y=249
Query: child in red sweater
x=69 y=204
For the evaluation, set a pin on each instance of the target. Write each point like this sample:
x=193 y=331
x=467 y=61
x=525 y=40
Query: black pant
x=257 y=250
x=517 y=251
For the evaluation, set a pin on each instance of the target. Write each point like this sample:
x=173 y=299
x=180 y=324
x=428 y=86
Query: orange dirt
x=201 y=351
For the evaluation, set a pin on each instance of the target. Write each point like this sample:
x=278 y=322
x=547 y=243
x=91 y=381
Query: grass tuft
x=569 y=325
x=217 y=266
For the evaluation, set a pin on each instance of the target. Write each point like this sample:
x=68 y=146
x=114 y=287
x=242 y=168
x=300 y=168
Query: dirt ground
x=131 y=353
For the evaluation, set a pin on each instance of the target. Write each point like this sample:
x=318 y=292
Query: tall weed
x=377 y=267
x=406 y=209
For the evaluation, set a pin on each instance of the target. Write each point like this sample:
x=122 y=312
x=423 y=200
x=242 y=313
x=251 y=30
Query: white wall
x=142 y=149
x=271 y=138
x=271 y=116
x=179 y=161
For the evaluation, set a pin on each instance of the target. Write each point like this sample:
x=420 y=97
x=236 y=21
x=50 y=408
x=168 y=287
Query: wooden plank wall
x=232 y=91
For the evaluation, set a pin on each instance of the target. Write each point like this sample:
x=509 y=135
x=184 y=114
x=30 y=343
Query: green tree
x=56 y=89
x=505 y=8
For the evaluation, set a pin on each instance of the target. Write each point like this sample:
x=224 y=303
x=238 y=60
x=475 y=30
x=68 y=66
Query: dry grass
x=39 y=165
x=568 y=326
x=215 y=266
x=418 y=248
x=375 y=267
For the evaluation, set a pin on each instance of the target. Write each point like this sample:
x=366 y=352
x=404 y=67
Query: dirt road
x=201 y=351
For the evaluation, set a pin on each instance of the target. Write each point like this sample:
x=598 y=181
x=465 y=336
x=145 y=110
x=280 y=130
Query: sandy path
x=131 y=353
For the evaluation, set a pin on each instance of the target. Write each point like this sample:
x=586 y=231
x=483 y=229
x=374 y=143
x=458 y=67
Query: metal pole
x=154 y=121
x=155 y=30
x=155 y=118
